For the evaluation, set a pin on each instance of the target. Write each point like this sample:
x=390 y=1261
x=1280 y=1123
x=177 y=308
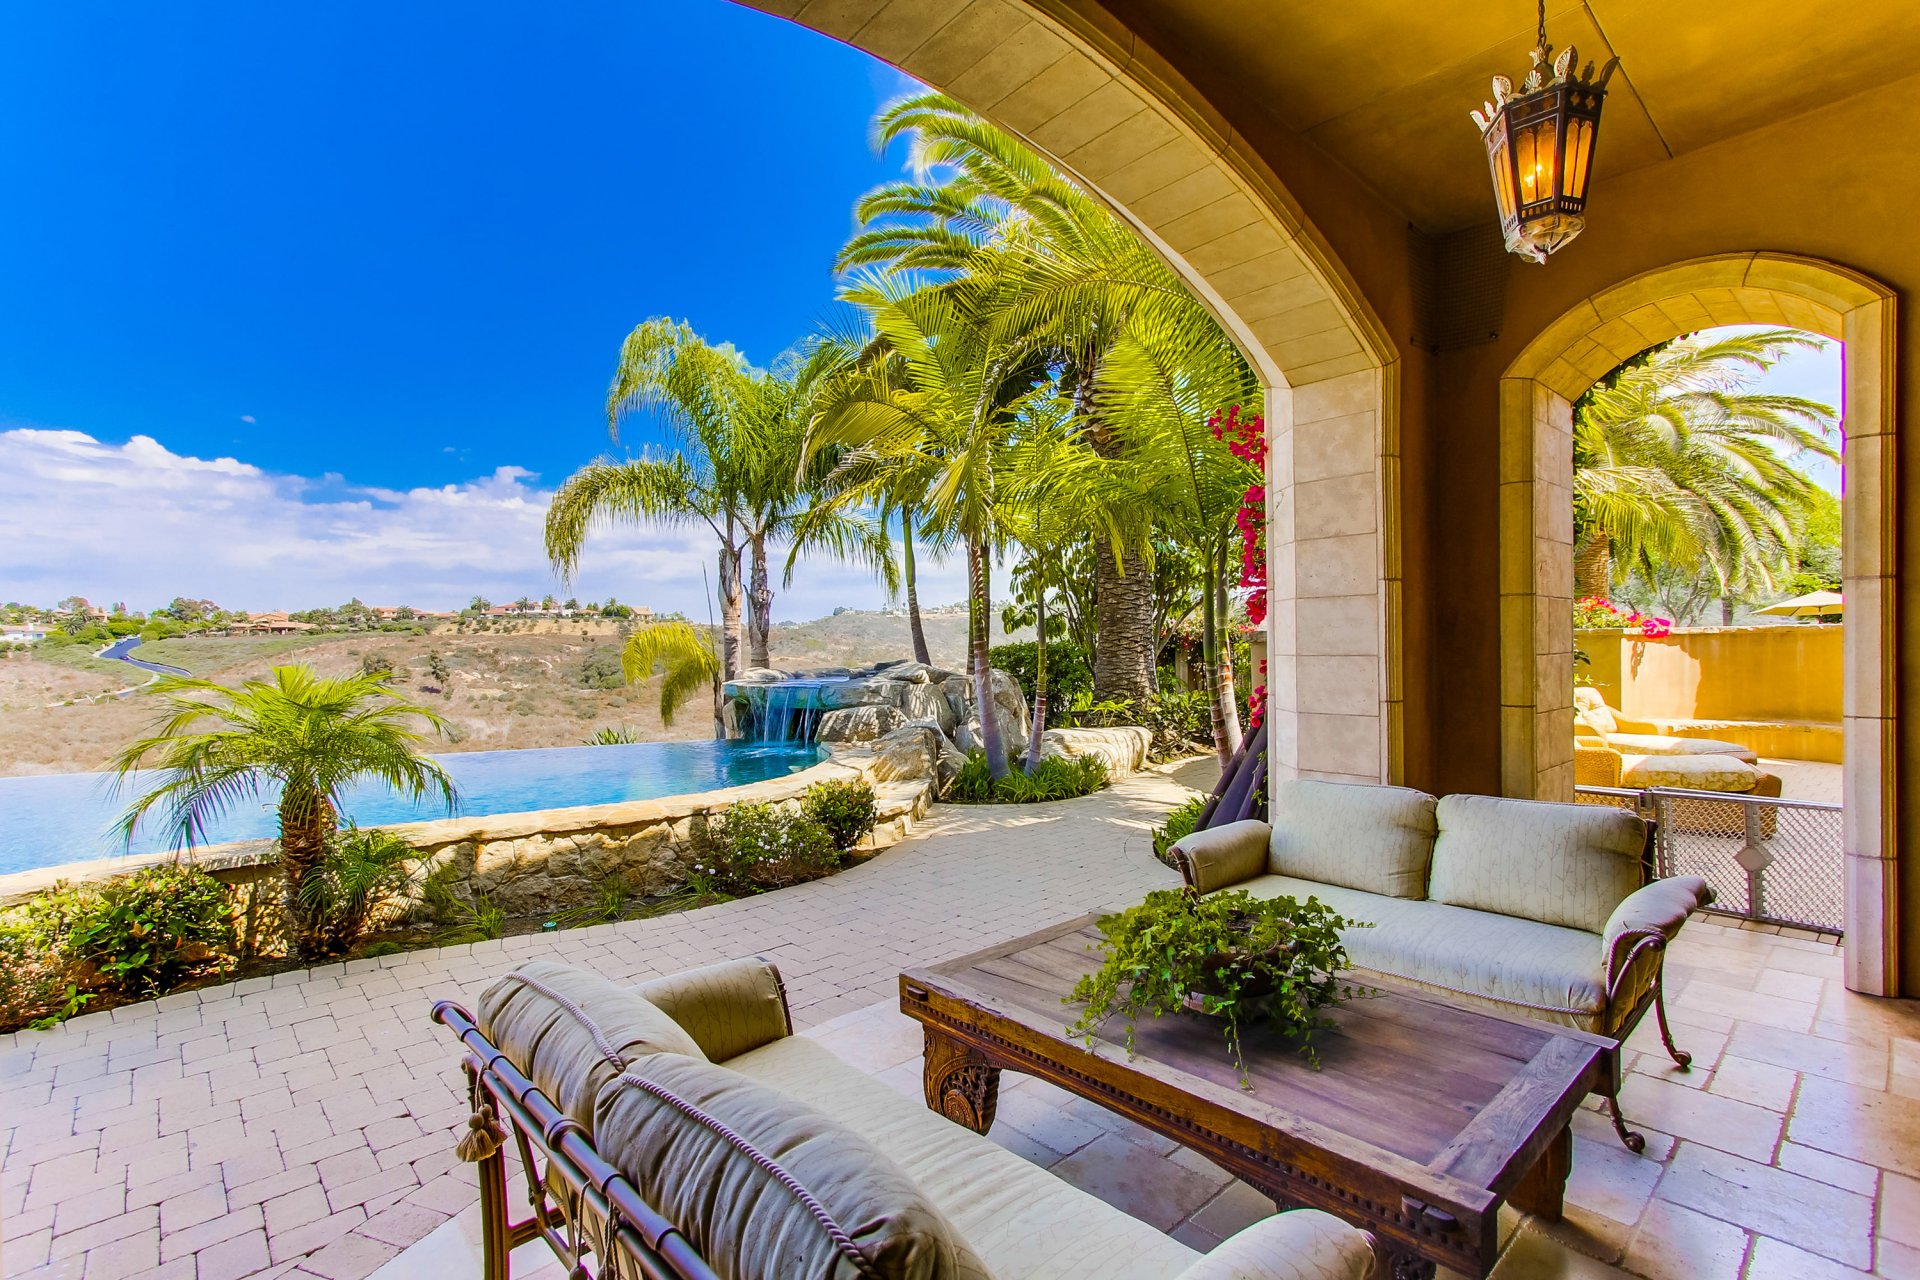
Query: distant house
x=268 y=624
x=31 y=633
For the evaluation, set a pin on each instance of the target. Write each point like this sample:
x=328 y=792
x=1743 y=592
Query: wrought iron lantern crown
x=1540 y=146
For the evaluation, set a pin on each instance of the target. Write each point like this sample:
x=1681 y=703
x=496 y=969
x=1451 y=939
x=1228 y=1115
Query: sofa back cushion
x=659 y=1124
x=1564 y=864
x=1591 y=712
x=564 y=1050
x=1372 y=838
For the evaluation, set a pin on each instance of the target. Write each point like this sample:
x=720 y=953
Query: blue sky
x=304 y=302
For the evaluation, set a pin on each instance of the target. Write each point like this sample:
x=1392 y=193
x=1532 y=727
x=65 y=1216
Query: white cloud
x=140 y=523
x=247 y=418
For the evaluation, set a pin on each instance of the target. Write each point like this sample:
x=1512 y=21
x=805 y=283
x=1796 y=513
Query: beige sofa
x=1535 y=909
x=685 y=1128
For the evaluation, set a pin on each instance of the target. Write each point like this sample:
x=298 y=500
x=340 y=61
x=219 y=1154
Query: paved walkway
x=304 y=1123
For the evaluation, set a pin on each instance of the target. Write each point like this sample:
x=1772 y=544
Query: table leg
x=1542 y=1190
x=961 y=1083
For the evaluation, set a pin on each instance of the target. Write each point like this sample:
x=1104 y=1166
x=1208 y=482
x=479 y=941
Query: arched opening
x=1536 y=537
x=1130 y=128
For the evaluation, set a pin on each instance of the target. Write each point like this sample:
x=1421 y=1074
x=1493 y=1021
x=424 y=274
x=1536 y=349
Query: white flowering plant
x=753 y=847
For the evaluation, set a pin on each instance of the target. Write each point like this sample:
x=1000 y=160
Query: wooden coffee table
x=1424 y=1117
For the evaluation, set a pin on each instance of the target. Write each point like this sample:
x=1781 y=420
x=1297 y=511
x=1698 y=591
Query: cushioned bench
x=1521 y=906
x=682 y=1126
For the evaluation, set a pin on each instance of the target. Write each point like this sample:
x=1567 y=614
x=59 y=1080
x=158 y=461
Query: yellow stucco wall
x=1720 y=673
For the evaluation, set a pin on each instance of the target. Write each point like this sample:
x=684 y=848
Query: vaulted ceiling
x=1385 y=85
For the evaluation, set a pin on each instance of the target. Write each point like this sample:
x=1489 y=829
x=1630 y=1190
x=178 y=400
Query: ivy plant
x=1274 y=962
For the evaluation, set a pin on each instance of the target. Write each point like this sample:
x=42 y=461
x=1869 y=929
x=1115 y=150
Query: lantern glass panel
x=1502 y=174
x=1535 y=151
x=1579 y=158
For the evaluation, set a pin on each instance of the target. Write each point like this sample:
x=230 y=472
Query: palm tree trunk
x=759 y=604
x=306 y=822
x=1210 y=658
x=1223 y=691
x=1039 y=678
x=1593 y=568
x=1726 y=610
x=1123 y=645
x=730 y=605
x=977 y=609
x=914 y=626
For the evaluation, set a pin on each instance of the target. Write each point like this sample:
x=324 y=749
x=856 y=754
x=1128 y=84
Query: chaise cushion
x=1378 y=839
x=1654 y=744
x=1019 y=1219
x=739 y=1217
x=1689 y=772
x=1591 y=710
x=555 y=1049
x=1503 y=963
x=1563 y=864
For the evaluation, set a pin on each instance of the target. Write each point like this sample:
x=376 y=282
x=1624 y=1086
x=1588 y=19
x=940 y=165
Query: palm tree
x=688 y=659
x=667 y=368
x=308 y=735
x=1677 y=462
x=1162 y=383
x=944 y=407
x=1067 y=275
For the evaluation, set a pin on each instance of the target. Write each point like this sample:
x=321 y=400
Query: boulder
x=925 y=702
x=758 y=675
x=1124 y=748
x=859 y=724
x=856 y=693
x=910 y=752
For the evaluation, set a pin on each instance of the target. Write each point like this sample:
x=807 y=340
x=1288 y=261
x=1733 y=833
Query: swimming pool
x=69 y=817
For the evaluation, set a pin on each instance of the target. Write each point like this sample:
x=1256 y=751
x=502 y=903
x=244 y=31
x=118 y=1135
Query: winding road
x=119 y=650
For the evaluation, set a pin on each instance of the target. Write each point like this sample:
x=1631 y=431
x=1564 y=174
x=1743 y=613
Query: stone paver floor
x=304 y=1125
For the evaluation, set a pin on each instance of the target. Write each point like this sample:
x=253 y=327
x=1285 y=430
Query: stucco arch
x=1536 y=534
x=1080 y=88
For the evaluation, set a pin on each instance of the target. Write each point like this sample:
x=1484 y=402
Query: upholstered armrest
x=1301 y=1244
x=1223 y=855
x=727 y=1008
x=1628 y=724
x=1653 y=911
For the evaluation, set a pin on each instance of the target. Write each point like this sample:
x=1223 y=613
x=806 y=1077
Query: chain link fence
x=1776 y=861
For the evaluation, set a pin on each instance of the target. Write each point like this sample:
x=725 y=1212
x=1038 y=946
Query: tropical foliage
x=301 y=735
x=1681 y=467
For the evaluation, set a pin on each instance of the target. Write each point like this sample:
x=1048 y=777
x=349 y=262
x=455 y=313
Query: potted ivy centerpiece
x=1275 y=962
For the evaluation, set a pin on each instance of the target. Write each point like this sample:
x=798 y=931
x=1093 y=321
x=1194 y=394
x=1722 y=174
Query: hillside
x=522 y=684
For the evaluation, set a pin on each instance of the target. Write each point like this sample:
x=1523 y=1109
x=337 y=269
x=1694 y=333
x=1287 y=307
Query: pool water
x=69 y=817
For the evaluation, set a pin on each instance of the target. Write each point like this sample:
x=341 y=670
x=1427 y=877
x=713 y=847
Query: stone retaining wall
x=550 y=859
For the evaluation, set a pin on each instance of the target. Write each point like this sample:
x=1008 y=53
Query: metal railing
x=1775 y=861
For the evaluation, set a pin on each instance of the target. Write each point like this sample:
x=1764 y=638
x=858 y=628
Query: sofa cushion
x=740 y=1218
x=1653 y=744
x=1379 y=839
x=1591 y=709
x=1689 y=772
x=1503 y=963
x=1565 y=864
x=1020 y=1220
x=525 y=1017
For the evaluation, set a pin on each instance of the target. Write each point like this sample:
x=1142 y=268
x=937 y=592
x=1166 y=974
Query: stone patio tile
x=1900 y=1209
x=1773 y=1260
x=351 y=1257
x=298 y=1242
x=1675 y=1243
x=1746 y=1006
x=1136 y=1182
x=1610 y=1181
x=1702 y=1117
x=1747 y=1080
x=1862 y=1124
x=1807 y=1214
x=1533 y=1255
x=1234 y=1208
x=1853 y=1064
x=1896 y=1261
x=175 y=1244
x=134 y=1255
x=231 y=1259
x=1835 y=1171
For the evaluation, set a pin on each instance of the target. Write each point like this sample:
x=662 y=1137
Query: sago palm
x=688 y=660
x=309 y=737
x=1677 y=461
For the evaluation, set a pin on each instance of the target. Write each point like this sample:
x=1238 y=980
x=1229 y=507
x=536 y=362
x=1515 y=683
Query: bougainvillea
x=1245 y=435
x=1591 y=613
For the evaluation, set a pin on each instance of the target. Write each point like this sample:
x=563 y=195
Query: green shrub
x=363 y=873
x=1179 y=823
x=144 y=932
x=613 y=735
x=1181 y=722
x=762 y=846
x=845 y=809
x=1069 y=673
x=601 y=669
x=1053 y=778
x=40 y=984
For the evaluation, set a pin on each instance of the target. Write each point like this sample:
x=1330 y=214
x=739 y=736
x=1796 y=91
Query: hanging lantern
x=1540 y=146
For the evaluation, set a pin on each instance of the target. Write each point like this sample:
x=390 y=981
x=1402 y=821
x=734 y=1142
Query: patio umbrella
x=1811 y=605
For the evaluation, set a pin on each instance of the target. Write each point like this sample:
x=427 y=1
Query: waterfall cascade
x=786 y=711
